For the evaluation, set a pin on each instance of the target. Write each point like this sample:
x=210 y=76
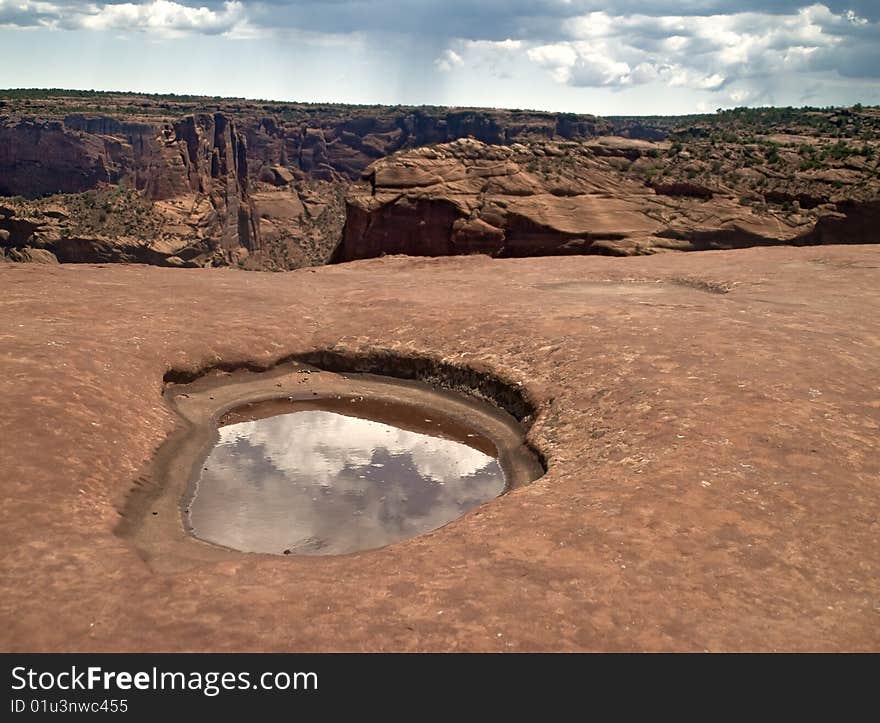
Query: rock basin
x=303 y=461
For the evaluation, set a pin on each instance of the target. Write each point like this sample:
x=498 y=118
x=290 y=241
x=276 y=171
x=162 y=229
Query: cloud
x=163 y=17
x=732 y=57
x=721 y=50
x=27 y=14
x=318 y=482
x=531 y=21
x=447 y=61
x=506 y=45
x=710 y=52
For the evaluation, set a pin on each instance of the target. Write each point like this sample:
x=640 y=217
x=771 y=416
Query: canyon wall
x=278 y=186
x=260 y=189
x=563 y=198
x=193 y=170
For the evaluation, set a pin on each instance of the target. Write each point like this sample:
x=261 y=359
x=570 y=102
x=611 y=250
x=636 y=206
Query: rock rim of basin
x=155 y=514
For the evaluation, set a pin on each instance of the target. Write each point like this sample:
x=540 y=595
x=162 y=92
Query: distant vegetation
x=44 y=93
x=121 y=102
x=856 y=122
x=845 y=122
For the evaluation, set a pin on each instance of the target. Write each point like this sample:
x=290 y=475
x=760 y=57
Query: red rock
x=709 y=423
x=202 y=170
x=466 y=197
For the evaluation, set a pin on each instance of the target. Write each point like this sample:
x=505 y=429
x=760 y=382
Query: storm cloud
x=724 y=52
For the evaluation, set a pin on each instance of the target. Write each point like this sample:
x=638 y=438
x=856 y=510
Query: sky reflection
x=322 y=483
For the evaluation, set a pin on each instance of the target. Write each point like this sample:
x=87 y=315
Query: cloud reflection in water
x=318 y=482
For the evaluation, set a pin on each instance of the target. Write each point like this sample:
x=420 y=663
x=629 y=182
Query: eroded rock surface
x=167 y=194
x=259 y=186
x=709 y=422
x=560 y=198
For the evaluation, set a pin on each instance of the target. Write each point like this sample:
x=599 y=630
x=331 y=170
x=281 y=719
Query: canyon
x=177 y=181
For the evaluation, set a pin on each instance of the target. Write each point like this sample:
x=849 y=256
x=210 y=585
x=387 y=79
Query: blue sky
x=617 y=56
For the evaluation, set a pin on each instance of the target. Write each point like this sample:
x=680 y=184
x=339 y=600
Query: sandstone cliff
x=191 y=174
x=262 y=187
x=557 y=197
x=199 y=181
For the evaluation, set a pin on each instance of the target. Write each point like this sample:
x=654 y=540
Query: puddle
x=307 y=461
x=337 y=475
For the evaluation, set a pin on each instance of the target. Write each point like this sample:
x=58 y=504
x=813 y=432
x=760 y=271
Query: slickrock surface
x=710 y=422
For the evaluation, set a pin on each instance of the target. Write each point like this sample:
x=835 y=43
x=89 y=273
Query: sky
x=317 y=481
x=610 y=57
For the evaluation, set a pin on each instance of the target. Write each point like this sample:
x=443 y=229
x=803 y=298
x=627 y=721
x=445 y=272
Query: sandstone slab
x=709 y=423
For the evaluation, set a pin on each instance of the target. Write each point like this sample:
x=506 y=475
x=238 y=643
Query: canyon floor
x=709 y=422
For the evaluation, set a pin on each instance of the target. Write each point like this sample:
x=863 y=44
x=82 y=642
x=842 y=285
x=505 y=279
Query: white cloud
x=322 y=444
x=559 y=58
x=713 y=51
x=553 y=56
x=322 y=482
x=497 y=45
x=703 y=52
x=494 y=56
x=855 y=19
x=593 y=25
x=595 y=65
x=28 y=14
x=162 y=17
x=448 y=60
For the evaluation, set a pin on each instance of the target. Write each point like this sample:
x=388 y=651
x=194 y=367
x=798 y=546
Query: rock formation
x=709 y=423
x=192 y=175
x=558 y=198
x=261 y=187
x=199 y=181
